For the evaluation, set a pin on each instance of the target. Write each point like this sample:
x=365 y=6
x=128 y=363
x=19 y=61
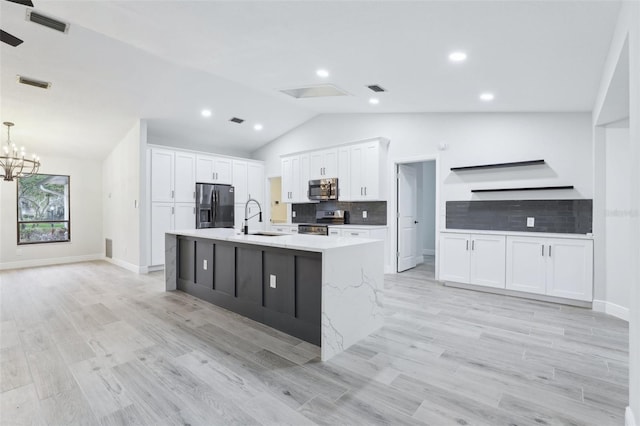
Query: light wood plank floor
x=91 y=343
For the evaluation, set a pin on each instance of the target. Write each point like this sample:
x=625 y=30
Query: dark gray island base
x=281 y=288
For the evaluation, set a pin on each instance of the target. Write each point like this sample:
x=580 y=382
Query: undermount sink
x=267 y=234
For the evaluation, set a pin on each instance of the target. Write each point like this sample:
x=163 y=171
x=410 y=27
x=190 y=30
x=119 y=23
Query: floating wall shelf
x=498 y=165
x=531 y=188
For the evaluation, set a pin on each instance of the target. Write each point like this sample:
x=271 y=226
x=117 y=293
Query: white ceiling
x=166 y=60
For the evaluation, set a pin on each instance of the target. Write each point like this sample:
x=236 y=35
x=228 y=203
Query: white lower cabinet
x=168 y=217
x=473 y=259
x=560 y=267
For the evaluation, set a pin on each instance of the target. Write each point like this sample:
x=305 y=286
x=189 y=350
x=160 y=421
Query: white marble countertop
x=315 y=243
x=520 y=234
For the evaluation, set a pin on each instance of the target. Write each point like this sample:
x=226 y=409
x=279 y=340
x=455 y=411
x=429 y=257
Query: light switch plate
x=204 y=264
x=531 y=221
x=293 y=213
x=272 y=281
x=364 y=214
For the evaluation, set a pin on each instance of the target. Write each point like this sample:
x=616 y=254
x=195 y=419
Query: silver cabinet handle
x=365 y=190
x=473 y=244
x=361 y=191
x=467 y=244
x=549 y=250
x=172 y=194
x=173 y=210
x=194 y=195
x=543 y=250
x=194 y=210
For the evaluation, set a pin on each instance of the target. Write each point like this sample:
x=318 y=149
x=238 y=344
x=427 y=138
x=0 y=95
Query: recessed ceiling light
x=487 y=96
x=206 y=113
x=457 y=56
x=257 y=127
x=322 y=73
x=374 y=101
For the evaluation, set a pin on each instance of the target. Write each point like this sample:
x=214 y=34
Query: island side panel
x=170 y=256
x=352 y=293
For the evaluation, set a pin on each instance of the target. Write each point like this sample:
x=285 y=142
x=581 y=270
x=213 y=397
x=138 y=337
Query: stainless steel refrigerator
x=214 y=206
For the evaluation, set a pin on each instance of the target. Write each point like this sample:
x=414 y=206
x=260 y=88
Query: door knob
x=415 y=221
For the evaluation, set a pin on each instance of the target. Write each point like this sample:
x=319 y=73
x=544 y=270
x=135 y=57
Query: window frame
x=66 y=221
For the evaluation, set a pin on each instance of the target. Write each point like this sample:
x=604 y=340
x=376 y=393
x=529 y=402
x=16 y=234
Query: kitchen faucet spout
x=246 y=214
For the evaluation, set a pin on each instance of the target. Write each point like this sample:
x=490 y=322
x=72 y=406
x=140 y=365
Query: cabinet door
x=240 y=182
x=570 y=269
x=371 y=171
x=316 y=165
x=256 y=182
x=454 y=257
x=161 y=222
x=222 y=169
x=204 y=169
x=162 y=169
x=357 y=184
x=330 y=160
x=295 y=178
x=488 y=260
x=185 y=216
x=185 y=177
x=287 y=179
x=344 y=177
x=303 y=177
x=526 y=264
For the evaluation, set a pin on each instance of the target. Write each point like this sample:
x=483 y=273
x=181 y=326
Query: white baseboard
x=629 y=420
x=611 y=309
x=428 y=252
x=128 y=266
x=50 y=261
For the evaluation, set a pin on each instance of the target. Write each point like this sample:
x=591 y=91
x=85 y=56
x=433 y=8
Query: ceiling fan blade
x=9 y=39
x=23 y=2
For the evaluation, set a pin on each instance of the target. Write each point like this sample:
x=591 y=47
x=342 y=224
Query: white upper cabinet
x=185 y=177
x=240 y=181
x=344 y=173
x=366 y=174
x=295 y=178
x=210 y=169
x=162 y=170
x=323 y=164
x=256 y=182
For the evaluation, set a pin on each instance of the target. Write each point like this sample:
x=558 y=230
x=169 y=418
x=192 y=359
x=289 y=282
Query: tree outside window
x=43 y=209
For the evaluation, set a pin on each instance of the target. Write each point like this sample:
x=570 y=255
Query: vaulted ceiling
x=165 y=61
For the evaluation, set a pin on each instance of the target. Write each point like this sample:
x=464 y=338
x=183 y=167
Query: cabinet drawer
x=335 y=232
x=357 y=233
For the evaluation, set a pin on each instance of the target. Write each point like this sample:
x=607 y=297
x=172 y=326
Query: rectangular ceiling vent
x=46 y=21
x=33 y=82
x=376 y=88
x=320 y=91
x=237 y=120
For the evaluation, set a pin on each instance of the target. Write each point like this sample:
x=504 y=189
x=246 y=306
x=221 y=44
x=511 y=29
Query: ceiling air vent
x=237 y=120
x=54 y=24
x=376 y=88
x=33 y=82
x=320 y=91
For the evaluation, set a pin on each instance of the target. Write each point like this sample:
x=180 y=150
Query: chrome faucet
x=246 y=214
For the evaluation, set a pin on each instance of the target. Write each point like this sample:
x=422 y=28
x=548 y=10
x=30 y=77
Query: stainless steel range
x=324 y=218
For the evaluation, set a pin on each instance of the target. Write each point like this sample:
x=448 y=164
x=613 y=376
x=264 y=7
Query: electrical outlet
x=293 y=213
x=531 y=221
x=272 y=281
x=204 y=264
x=364 y=214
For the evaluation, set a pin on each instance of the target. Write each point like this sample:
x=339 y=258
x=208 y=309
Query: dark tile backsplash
x=376 y=211
x=557 y=216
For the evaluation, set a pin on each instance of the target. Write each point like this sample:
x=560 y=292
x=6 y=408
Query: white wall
x=121 y=172
x=618 y=242
x=85 y=214
x=628 y=29
x=429 y=207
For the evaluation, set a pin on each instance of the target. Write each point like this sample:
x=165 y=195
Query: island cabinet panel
x=308 y=289
x=279 y=282
x=186 y=254
x=224 y=272
x=249 y=275
x=204 y=264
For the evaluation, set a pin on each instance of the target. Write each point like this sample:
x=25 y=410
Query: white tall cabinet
x=248 y=182
x=212 y=169
x=172 y=196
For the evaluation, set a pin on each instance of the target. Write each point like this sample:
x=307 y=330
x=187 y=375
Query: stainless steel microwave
x=323 y=189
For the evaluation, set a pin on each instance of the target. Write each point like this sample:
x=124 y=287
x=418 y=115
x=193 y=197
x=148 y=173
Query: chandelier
x=13 y=162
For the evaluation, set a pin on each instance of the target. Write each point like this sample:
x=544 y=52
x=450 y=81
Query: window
x=43 y=209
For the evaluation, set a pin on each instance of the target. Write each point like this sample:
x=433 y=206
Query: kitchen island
x=324 y=290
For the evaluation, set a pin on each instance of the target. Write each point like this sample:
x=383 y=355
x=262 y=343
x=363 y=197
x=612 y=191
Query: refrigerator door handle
x=214 y=207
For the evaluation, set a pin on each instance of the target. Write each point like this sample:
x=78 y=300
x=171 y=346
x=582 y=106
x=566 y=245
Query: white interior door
x=407 y=213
